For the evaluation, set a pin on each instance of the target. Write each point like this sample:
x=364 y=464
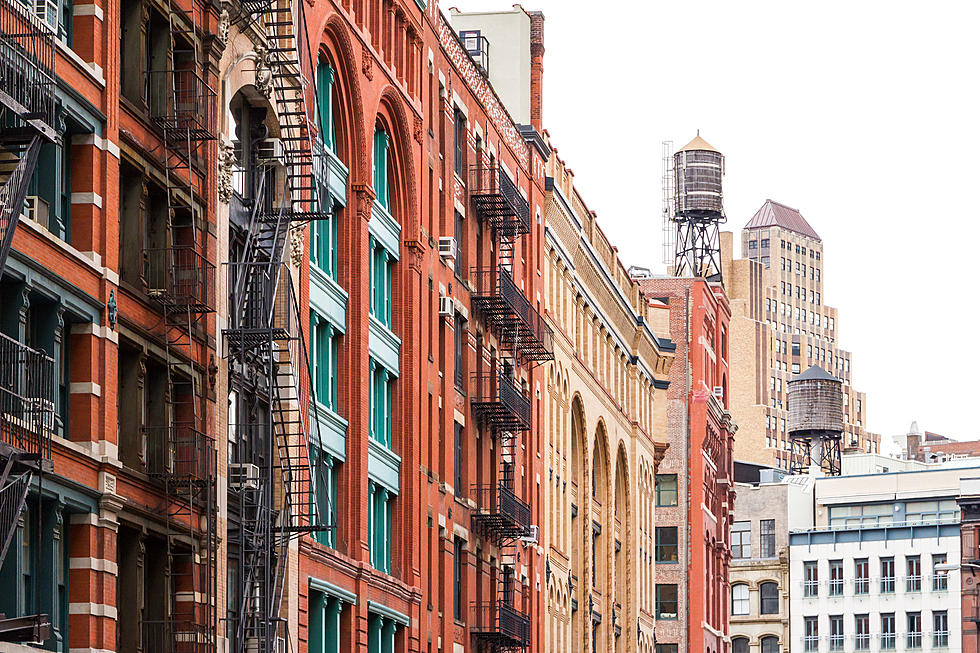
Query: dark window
x=666 y=601
x=770 y=644
x=888 y=628
x=940 y=629
x=836 y=577
x=862 y=632
x=740 y=645
x=767 y=538
x=769 y=598
x=666 y=648
x=666 y=544
x=458 y=265
x=811 y=579
x=913 y=632
x=753 y=244
x=459 y=133
x=861 y=580
x=459 y=337
x=913 y=580
x=811 y=633
x=459 y=561
x=742 y=539
x=458 y=472
x=666 y=490
x=836 y=632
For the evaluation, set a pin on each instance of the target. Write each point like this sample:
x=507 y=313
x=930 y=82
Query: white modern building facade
x=869 y=575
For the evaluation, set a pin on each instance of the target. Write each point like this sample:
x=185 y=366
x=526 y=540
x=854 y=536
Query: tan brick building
x=605 y=419
x=780 y=326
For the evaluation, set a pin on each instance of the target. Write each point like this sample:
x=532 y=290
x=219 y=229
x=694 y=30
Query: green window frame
x=326 y=243
x=666 y=544
x=325 y=103
x=381 y=391
x=324 y=487
x=381 y=266
x=666 y=601
x=379 y=171
x=666 y=490
x=325 y=353
x=324 y=628
x=51 y=184
x=379 y=526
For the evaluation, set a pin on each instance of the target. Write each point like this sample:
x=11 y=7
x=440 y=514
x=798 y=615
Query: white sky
x=863 y=115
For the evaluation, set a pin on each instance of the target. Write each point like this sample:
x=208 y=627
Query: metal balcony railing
x=498 y=199
x=501 y=513
x=180 y=277
x=499 y=623
x=180 y=453
x=500 y=401
x=27 y=80
x=520 y=327
x=183 y=103
x=26 y=399
x=255 y=292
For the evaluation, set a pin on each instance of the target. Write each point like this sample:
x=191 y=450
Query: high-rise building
x=781 y=325
x=693 y=486
x=606 y=425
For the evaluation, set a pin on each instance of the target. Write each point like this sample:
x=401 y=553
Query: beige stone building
x=605 y=419
x=780 y=326
x=759 y=572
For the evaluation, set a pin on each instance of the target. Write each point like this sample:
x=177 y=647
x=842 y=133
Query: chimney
x=537 y=67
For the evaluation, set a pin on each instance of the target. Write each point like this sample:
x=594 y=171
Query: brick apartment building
x=606 y=421
x=781 y=325
x=926 y=446
x=694 y=485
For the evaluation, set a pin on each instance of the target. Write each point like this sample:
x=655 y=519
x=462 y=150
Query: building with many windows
x=781 y=325
x=694 y=484
x=606 y=419
x=873 y=572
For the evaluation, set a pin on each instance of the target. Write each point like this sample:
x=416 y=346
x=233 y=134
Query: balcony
x=500 y=512
x=519 y=326
x=26 y=401
x=500 y=625
x=500 y=402
x=180 y=278
x=181 y=454
x=183 y=105
x=256 y=291
x=498 y=200
x=27 y=81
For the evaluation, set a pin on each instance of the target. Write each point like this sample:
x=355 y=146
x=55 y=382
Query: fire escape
x=27 y=113
x=267 y=348
x=500 y=403
x=180 y=279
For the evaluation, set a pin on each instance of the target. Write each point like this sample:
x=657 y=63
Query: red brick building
x=694 y=481
x=432 y=546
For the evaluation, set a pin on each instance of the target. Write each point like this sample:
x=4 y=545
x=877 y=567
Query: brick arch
x=392 y=116
x=336 y=46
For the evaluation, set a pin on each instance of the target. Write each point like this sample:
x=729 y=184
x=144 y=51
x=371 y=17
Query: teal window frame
x=324 y=625
x=664 y=495
x=325 y=103
x=52 y=183
x=379 y=169
x=379 y=525
x=381 y=268
x=326 y=243
x=381 y=633
x=325 y=354
x=325 y=471
x=381 y=384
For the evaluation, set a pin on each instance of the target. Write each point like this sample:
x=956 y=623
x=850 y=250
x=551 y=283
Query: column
x=374 y=633
x=388 y=636
x=385 y=548
x=372 y=525
x=318 y=630
x=385 y=401
x=373 y=403
x=334 y=608
x=326 y=369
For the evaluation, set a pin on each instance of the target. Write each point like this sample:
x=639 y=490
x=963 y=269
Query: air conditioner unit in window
x=532 y=536
x=243 y=476
x=40 y=411
x=447 y=247
x=719 y=392
x=36 y=209
x=447 y=308
x=270 y=149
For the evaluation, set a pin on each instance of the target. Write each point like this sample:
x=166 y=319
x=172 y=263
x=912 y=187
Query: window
x=325 y=104
x=324 y=632
x=382 y=264
x=836 y=577
x=930 y=512
x=382 y=382
x=811 y=634
x=49 y=191
x=765 y=261
x=862 y=632
x=740 y=599
x=940 y=629
x=810 y=578
x=870 y=515
x=769 y=598
x=379 y=526
x=770 y=644
x=887 y=631
x=913 y=577
x=325 y=353
x=861 y=580
x=913 y=632
x=940 y=578
x=666 y=490
x=742 y=539
x=666 y=601
x=887 y=575
x=325 y=242
x=753 y=244
x=836 y=632
x=458 y=461
x=666 y=648
x=459 y=266
x=666 y=544
x=459 y=140
x=765 y=243
x=459 y=562
x=379 y=172
x=459 y=337
x=740 y=645
x=767 y=538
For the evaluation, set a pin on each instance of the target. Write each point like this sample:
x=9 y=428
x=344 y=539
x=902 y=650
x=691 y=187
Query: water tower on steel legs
x=697 y=209
x=816 y=421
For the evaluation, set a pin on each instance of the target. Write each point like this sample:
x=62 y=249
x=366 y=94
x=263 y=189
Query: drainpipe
x=687 y=451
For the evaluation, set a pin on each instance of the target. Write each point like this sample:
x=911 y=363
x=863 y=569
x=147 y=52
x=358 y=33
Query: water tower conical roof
x=698 y=143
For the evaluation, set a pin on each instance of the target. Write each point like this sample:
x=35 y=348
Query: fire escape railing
x=498 y=199
x=26 y=399
x=500 y=512
x=186 y=105
x=500 y=624
x=500 y=401
x=180 y=277
x=522 y=329
x=27 y=80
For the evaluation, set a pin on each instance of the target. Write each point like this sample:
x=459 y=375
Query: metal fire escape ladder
x=181 y=279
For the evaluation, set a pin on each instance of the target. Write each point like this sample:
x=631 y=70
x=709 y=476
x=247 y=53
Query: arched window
x=769 y=598
x=740 y=644
x=770 y=644
x=740 y=599
x=325 y=103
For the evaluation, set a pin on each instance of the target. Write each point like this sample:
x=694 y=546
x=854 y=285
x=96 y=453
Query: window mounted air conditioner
x=447 y=308
x=40 y=411
x=719 y=392
x=531 y=537
x=36 y=209
x=447 y=247
x=270 y=149
x=243 y=476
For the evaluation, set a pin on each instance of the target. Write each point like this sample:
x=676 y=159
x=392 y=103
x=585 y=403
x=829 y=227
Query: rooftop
x=774 y=214
x=698 y=144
